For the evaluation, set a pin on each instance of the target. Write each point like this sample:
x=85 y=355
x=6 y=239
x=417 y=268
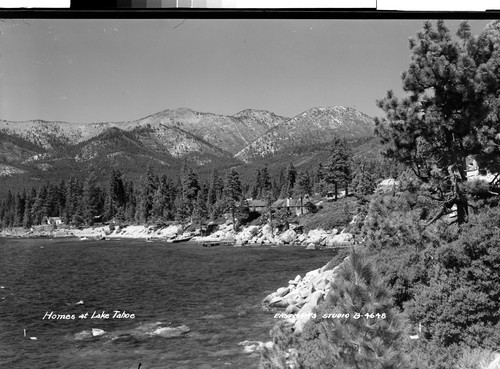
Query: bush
x=460 y=302
x=474 y=359
x=362 y=342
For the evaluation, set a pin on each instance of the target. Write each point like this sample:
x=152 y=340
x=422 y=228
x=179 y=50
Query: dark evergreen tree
x=39 y=211
x=27 y=217
x=54 y=198
x=163 y=200
x=303 y=188
x=363 y=185
x=190 y=188
x=73 y=195
x=7 y=216
x=256 y=185
x=215 y=189
x=116 y=196
x=338 y=169
x=145 y=195
x=200 y=211
x=289 y=182
x=451 y=110
x=19 y=206
x=232 y=193
x=130 y=201
x=318 y=183
x=92 y=206
x=265 y=184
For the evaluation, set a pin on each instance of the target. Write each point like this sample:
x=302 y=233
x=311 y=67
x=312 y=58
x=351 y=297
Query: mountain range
x=171 y=138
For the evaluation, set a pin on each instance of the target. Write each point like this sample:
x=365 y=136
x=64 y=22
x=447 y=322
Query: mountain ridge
x=172 y=138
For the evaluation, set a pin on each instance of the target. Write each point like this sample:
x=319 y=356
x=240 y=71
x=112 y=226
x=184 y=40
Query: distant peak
x=252 y=111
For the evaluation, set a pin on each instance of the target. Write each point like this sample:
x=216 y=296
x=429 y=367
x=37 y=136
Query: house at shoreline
x=53 y=221
x=292 y=204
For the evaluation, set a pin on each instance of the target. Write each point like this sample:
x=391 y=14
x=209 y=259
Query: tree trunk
x=458 y=177
x=301 y=205
x=335 y=191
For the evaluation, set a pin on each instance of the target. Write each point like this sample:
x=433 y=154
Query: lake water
x=215 y=292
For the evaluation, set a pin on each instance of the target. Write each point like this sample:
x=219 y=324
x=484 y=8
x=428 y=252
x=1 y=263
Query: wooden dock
x=212 y=243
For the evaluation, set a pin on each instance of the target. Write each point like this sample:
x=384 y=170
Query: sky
x=93 y=70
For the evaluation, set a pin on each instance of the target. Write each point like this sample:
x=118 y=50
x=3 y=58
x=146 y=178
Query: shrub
x=362 y=342
x=460 y=302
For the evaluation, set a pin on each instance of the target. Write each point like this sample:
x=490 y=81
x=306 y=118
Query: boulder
x=266 y=230
x=97 y=332
x=305 y=291
x=296 y=281
x=311 y=246
x=306 y=312
x=278 y=302
x=253 y=230
x=288 y=236
x=268 y=298
x=282 y=291
x=170 y=332
x=291 y=309
x=83 y=335
x=495 y=364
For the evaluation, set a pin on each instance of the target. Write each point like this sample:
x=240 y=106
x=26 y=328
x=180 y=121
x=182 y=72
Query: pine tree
x=19 y=206
x=255 y=192
x=265 y=183
x=91 y=199
x=39 y=210
x=73 y=195
x=232 y=193
x=7 y=218
x=289 y=181
x=368 y=338
x=338 y=169
x=27 y=218
x=200 y=212
x=190 y=188
x=303 y=188
x=451 y=110
x=215 y=189
x=116 y=196
x=319 y=180
x=363 y=185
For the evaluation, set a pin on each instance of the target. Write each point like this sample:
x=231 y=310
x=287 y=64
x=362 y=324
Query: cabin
x=53 y=221
x=257 y=205
x=292 y=204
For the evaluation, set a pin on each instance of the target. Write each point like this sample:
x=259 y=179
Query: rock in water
x=170 y=332
x=97 y=332
x=83 y=335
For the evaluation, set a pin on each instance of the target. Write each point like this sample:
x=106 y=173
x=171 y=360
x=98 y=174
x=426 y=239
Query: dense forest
x=158 y=198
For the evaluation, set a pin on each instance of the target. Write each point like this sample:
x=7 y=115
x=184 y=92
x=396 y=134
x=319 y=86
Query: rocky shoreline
x=224 y=233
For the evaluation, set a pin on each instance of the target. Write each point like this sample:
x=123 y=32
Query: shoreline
x=223 y=235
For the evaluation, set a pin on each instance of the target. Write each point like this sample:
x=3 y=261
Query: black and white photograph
x=287 y=193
